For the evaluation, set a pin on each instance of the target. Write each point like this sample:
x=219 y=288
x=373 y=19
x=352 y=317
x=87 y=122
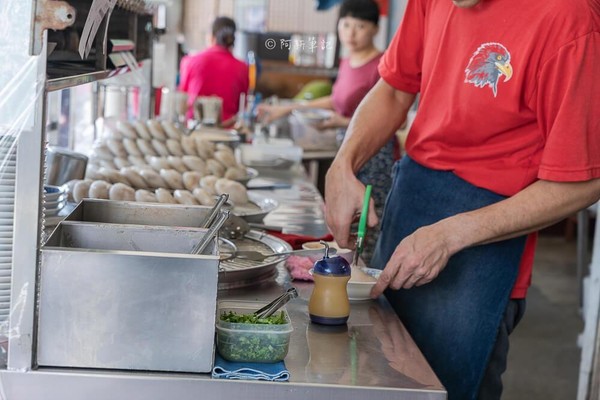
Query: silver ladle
x=258 y=256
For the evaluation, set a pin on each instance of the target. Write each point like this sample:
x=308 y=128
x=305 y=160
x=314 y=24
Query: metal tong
x=215 y=210
x=212 y=231
x=276 y=304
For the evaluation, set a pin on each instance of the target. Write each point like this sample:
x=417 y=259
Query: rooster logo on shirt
x=488 y=63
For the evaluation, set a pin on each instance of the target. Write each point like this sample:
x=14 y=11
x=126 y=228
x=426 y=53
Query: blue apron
x=455 y=318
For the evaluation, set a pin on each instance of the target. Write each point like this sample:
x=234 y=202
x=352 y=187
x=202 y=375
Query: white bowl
x=346 y=254
x=53 y=193
x=52 y=212
x=59 y=203
x=359 y=290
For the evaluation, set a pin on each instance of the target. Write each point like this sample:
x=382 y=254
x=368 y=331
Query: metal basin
x=126 y=297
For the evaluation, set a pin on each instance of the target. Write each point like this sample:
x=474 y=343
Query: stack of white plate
x=8 y=165
x=55 y=199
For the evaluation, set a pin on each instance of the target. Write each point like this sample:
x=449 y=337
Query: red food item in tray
x=296 y=241
x=299 y=268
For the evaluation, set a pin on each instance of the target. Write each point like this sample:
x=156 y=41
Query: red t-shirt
x=353 y=84
x=510 y=92
x=215 y=72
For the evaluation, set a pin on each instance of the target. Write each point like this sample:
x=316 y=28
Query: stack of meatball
x=155 y=162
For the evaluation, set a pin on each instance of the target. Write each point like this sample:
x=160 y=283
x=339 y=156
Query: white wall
x=165 y=67
x=396 y=11
x=282 y=16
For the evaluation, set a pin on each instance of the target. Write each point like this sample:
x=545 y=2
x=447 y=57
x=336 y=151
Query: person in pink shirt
x=357 y=27
x=216 y=72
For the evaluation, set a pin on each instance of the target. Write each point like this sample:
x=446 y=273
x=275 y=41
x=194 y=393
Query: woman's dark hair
x=367 y=10
x=223 y=30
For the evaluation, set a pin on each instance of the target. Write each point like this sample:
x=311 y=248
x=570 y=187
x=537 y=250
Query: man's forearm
x=537 y=206
x=378 y=116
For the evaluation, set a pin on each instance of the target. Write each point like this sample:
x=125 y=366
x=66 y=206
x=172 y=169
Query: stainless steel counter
x=373 y=352
x=372 y=356
x=300 y=208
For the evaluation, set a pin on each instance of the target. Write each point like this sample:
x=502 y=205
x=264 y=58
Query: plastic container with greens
x=242 y=338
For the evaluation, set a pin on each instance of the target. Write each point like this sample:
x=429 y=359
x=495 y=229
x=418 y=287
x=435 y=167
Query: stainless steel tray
x=236 y=273
x=233 y=273
x=123 y=212
x=257 y=209
x=123 y=237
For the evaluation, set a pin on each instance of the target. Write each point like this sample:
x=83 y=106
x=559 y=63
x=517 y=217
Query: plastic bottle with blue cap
x=329 y=304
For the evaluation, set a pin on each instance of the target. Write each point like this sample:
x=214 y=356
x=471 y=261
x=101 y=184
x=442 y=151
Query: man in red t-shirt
x=505 y=142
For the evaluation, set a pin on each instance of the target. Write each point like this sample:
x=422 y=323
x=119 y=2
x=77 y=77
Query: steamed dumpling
x=120 y=191
x=208 y=184
x=237 y=192
x=204 y=198
x=191 y=180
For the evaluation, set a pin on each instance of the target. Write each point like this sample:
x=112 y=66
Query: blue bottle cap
x=335 y=265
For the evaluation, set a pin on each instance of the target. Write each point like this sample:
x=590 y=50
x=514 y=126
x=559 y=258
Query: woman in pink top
x=215 y=71
x=357 y=27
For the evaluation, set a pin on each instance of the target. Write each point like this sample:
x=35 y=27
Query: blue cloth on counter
x=275 y=372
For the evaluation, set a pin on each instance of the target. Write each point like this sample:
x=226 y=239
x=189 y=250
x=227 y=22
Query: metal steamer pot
x=64 y=165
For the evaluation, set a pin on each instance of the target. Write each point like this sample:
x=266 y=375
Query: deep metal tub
x=127 y=297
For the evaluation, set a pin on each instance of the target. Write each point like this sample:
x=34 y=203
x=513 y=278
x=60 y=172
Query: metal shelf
x=123 y=39
x=81 y=79
x=75 y=80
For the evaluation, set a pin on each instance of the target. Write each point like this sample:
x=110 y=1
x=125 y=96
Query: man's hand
x=417 y=260
x=421 y=256
x=376 y=119
x=344 y=195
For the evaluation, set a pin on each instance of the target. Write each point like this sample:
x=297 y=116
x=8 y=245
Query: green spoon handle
x=362 y=223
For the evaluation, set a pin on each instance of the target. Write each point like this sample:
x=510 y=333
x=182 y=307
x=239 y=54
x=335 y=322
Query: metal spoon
x=258 y=256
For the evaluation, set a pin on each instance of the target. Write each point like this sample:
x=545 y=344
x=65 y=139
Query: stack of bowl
x=55 y=199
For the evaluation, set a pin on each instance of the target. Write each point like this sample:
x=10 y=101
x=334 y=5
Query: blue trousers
x=455 y=318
